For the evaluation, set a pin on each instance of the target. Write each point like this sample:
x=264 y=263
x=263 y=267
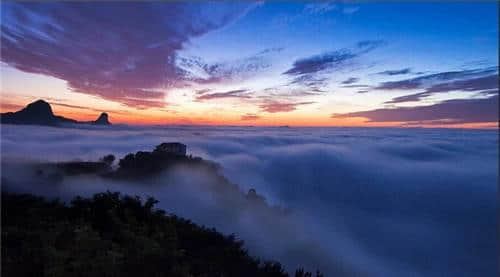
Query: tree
x=108 y=159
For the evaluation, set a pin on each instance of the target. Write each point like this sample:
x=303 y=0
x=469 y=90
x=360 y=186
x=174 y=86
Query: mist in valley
x=347 y=201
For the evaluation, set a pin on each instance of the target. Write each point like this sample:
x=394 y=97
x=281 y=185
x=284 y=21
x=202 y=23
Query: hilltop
x=40 y=113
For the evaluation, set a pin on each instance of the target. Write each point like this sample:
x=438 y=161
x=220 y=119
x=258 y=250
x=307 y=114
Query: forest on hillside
x=111 y=234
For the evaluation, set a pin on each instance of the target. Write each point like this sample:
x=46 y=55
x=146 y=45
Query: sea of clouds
x=360 y=201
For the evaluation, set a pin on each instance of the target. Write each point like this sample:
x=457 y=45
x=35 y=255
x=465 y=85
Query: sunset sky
x=255 y=63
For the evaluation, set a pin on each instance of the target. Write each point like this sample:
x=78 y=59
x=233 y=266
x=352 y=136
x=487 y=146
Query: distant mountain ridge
x=40 y=113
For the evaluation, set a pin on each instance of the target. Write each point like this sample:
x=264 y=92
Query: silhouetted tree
x=108 y=159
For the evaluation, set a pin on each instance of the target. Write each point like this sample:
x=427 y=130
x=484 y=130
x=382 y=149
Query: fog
x=353 y=201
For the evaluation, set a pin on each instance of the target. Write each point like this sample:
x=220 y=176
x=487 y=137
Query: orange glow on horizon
x=152 y=117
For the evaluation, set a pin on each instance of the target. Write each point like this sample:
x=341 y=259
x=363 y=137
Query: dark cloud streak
x=452 y=111
x=349 y=81
x=333 y=59
x=484 y=81
x=395 y=72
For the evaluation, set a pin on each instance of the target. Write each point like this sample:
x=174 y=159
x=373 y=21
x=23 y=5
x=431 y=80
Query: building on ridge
x=175 y=148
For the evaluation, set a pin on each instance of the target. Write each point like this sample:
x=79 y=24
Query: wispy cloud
x=350 y=10
x=349 y=81
x=202 y=91
x=306 y=69
x=250 y=116
x=271 y=106
x=357 y=86
x=196 y=70
x=319 y=8
x=239 y=93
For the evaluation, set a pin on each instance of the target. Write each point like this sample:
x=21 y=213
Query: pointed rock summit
x=102 y=120
x=40 y=113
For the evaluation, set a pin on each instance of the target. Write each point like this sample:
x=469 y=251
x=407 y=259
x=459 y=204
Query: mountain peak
x=40 y=113
x=102 y=119
x=39 y=108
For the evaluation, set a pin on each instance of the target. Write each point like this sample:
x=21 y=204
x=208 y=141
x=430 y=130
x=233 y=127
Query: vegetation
x=139 y=165
x=143 y=163
x=115 y=235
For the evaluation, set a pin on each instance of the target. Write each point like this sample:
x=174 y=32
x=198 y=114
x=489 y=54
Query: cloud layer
x=363 y=201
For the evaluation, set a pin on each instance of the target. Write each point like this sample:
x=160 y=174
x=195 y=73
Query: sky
x=343 y=63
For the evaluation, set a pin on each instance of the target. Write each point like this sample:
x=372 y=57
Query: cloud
x=325 y=7
x=306 y=71
x=359 y=201
x=239 y=93
x=452 y=111
x=10 y=107
x=202 y=91
x=310 y=81
x=196 y=70
x=272 y=106
x=436 y=78
x=395 y=72
x=333 y=59
x=350 y=81
x=319 y=8
x=366 y=46
x=250 y=116
x=350 y=10
x=103 y=49
x=408 y=98
x=321 y=62
x=489 y=82
x=484 y=81
x=292 y=93
x=356 y=86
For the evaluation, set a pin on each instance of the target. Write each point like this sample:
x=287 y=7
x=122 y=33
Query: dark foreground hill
x=114 y=235
x=40 y=113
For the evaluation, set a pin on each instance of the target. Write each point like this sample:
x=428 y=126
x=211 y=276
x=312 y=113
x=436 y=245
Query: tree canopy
x=111 y=234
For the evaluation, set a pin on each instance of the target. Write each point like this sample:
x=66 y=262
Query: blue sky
x=266 y=62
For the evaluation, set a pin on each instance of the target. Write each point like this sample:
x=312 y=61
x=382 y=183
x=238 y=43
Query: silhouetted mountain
x=102 y=120
x=40 y=113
